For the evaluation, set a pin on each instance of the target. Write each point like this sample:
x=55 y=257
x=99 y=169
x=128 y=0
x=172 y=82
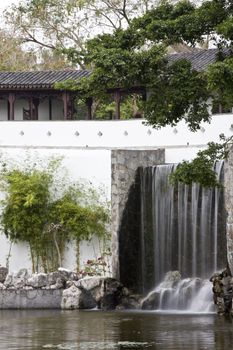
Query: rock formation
x=70 y=290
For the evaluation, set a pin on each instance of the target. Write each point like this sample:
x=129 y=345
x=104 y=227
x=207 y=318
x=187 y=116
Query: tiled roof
x=37 y=79
x=200 y=59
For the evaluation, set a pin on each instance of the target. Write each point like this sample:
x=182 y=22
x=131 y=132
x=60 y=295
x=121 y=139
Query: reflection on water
x=87 y=330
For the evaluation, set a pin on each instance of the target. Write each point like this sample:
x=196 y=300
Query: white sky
x=5 y=3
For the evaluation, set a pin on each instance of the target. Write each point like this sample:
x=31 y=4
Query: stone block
x=30 y=299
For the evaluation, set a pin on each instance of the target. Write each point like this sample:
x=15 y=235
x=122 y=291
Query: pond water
x=87 y=330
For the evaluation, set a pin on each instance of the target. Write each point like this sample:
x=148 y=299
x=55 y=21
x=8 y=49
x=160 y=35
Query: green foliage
x=182 y=22
x=178 y=93
x=37 y=211
x=201 y=168
x=220 y=81
x=131 y=107
x=136 y=57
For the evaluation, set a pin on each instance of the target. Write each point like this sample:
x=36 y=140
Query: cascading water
x=182 y=229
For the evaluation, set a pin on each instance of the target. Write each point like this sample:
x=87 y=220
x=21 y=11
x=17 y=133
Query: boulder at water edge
x=102 y=292
x=75 y=298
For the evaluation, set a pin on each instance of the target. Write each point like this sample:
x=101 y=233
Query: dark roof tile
x=200 y=59
x=38 y=79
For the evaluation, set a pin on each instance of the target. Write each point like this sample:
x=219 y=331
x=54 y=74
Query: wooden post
x=66 y=105
x=117 y=99
x=30 y=104
x=50 y=108
x=35 y=103
x=11 y=106
x=89 y=102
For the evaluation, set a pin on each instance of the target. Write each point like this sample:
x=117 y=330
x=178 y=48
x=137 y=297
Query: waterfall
x=182 y=229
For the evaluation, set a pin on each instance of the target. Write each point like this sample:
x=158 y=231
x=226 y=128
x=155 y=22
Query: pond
x=87 y=330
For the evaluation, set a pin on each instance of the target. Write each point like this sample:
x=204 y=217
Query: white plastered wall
x=86 y=147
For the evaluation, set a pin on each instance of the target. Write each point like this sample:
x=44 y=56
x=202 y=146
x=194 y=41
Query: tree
x=62 y=24
x=12 y=57
x=137 y=56
x=45 y=212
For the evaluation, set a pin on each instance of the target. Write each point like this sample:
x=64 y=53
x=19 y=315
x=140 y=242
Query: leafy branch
x=201 y=168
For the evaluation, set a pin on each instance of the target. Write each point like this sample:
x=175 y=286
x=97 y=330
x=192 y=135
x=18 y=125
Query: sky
x=5 y=3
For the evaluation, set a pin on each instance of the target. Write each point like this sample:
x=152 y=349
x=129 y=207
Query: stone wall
x=229 y=207
x=125 y=163
x=30 y=299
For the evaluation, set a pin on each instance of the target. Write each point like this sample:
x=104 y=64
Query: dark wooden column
x=89 y=102
x=11 y=106
x=66 y=105
x=30 y=104
x=117 y=99
x=50 y=108
x=35 y=103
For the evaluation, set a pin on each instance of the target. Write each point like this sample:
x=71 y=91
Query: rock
x=171 y=280
x=38 y=280
x=69 y=284
x=172 y=276
x=223 y=291
x=151 y=301
x=22 y=274
x=106 y=292
x=93 y=286
x=74 y=277
x=120 y=307
x=16 y=280
x=64 y=273
x=3 y=273
x=2 y=286
x=58 y=285
x=52 y=278
x=75 y=298
x=9 y=280
x=89 y=283
x=111 y=294
x=130 y=302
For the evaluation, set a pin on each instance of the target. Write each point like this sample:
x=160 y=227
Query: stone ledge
x=30 y=299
